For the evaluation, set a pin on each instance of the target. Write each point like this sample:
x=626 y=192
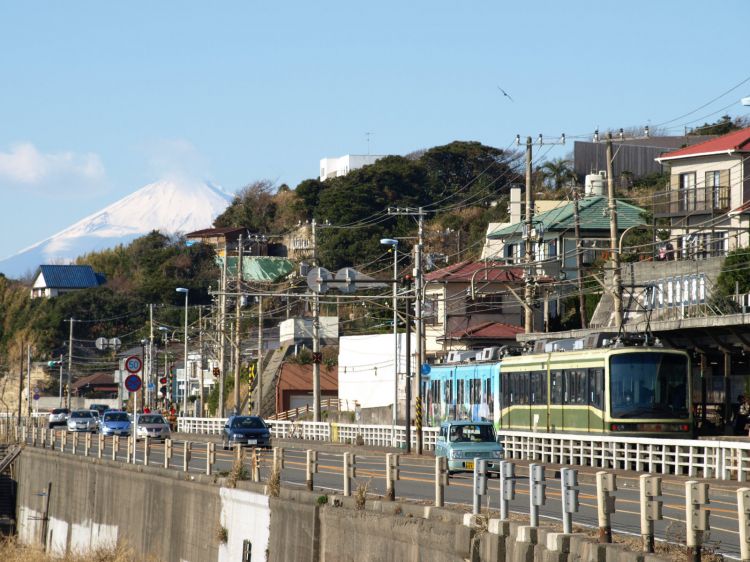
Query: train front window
x=649 y=385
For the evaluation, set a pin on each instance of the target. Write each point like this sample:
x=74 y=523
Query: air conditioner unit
x=490 y=353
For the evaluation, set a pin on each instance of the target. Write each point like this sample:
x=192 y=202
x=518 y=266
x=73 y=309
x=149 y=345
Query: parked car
x=246 y=430
x=153 y=426
x=101 y=408
x=115 y=423
x=82 y=420
x=58 y=416
x=96 y=416
x=463 y=441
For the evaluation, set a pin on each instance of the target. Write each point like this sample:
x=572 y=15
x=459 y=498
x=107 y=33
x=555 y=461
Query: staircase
x=8 y=454
x=270 y=375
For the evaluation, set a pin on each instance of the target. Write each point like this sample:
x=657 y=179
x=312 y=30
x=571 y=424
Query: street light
x=394 y=246
x=185 y=363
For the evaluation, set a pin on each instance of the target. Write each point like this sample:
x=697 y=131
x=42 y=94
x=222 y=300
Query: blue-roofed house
x=54 y=280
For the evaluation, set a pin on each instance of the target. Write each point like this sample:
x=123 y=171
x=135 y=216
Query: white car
x=58 y=416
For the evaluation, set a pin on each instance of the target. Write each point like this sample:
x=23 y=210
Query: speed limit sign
x=133 y=364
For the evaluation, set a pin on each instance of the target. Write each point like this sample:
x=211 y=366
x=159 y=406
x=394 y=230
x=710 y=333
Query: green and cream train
x=617 y=390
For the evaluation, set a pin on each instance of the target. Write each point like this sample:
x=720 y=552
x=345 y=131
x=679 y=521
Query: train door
x=557 y=393
x=596 y=399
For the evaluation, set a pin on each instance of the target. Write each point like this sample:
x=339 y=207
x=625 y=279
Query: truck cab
x=463 y=441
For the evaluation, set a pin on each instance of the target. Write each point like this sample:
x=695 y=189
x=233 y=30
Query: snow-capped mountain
x=168 y=206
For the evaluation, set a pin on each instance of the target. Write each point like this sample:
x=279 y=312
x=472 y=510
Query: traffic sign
x=36 y=397
x=133 y=383
x=133 y=364
x=151 y=386
x=426 y=368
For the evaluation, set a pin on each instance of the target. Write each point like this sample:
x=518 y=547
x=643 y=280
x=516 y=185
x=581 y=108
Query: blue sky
x=100 y=98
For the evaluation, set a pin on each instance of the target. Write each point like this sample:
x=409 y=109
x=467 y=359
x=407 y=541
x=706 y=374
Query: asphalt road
x=417 y=484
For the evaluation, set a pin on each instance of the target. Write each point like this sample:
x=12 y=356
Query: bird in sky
x=505 y=93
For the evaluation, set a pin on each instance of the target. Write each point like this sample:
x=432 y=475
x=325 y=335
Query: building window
x=491 y=303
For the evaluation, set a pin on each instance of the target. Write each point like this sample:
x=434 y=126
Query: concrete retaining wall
x=175 y=517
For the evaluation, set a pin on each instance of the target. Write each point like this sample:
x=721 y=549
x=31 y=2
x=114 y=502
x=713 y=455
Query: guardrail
x=725 y=460
x=374 y=435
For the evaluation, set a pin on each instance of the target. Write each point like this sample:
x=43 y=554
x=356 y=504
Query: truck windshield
x=649 y=385
x=480 y=433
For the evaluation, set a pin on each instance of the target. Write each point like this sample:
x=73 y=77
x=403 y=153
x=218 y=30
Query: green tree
x=558 y=173
x=734 y=276
x=254 y=208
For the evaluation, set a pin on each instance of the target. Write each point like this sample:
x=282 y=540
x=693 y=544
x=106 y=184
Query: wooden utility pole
x=70 y=362
x=222 y=322
x=20 y=380
x=202 y=411
x=259 y=365
x=615 y=255
x=579 y=260
x=529 y=246
x=316 y=335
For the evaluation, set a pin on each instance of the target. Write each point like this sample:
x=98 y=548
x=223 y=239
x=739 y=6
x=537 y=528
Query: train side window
x=505 y=377
x=538 y=387
x=596 y=387
x=576 y=386
x=460 y=391
x=557 y=387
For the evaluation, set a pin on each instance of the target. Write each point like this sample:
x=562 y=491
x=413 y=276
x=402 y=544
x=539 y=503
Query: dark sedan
x=246 y=430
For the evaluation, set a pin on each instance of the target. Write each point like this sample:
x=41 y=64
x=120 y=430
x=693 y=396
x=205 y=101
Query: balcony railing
x=689 y=201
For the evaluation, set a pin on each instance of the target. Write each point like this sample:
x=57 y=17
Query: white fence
x=374 y=435
x=726 y=460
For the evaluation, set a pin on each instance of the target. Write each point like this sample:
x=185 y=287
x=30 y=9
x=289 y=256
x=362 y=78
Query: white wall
x=298 y=329
x=335 y=167
x=366 y=368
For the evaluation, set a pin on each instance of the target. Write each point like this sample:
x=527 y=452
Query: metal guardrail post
x=101 y=440
x=651 y=508
x=186 y=453
x=210 y=457
x=392 y=473
x=441 y=480
x=130 y=454
x=255 y=465
x=311 y=467
x=507 y=487
x=697 y=520
x=167 y=452
x=569 y=497
x=537 y=496
x=278 y=459
x=743 y=516
x=480 y=484
x=605 y=504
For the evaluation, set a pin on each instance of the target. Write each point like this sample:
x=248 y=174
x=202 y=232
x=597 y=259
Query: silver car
x=153 y=426
x=82 y=420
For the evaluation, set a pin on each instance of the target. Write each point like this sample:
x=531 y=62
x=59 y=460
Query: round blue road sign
x=426 y=368
x=133 y=383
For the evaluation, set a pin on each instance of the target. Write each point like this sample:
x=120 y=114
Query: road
x=417 y=484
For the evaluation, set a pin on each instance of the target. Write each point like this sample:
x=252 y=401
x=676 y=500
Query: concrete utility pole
x=238 y=313
x=316 y=334
x=579 y=260
x=420 y=328
x=612 y=205
x=259 y=365
x=28 y=379
x=222 y=322
x=20 y=380
x=151 y=402
x=70 y=360
x=202 y=358
x=529 y=246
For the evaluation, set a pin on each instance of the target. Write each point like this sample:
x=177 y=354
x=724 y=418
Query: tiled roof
x=69 y=276
x=299 y=377
x=494 y=330
x=223 y=231
x=97 y=379
x=737 y=141
x=462 y=272
x=593 y=216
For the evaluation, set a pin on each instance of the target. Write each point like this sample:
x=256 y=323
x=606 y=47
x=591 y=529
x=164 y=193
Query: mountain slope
x=167 y=206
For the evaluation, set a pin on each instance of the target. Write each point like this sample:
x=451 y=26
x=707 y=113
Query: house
x=294 y=386
x=458 y=318
x=298 y=243
x=101 y=385
x=554 y=235
x=226 y=240
x=336 y=167
x=707 y=201
x=54 y=280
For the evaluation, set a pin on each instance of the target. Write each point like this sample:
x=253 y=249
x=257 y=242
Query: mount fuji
x=167 y=206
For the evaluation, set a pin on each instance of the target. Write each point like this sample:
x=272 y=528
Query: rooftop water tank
x=594 y=184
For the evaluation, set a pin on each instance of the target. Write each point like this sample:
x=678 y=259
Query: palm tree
x=558 y=172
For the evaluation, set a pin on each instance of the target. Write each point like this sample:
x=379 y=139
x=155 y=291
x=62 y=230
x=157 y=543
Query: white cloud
x=24 y=165
x=177 y=159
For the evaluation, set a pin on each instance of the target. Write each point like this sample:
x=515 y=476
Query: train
x=595 y=385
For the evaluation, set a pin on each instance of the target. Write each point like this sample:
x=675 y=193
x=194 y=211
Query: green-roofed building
x=557 y=228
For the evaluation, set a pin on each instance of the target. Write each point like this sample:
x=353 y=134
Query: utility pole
x=579 y=260
x=529 y=246
x=222 y=345
x=316 y=333
x=238 y=312
x=70 y=360
x=28 y=379
x=151 y=403
x=259 y=365
x=20 y=380
x=612 y=204
x=407 y=300
x=202 y=359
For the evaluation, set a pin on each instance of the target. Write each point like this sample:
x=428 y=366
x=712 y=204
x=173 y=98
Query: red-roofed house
x=454 y=320
x=708 y=195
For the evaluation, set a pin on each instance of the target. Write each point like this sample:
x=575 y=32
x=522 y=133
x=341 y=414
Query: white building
x=335 y=167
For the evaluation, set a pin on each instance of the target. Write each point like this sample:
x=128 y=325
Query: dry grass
x=239 y=471
x=221 y=534
x=12 y=551
x=360 y=496
x=274 y=483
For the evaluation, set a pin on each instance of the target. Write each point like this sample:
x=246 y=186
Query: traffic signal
x=317 y=358
x=163 y=380
x=163 y=391
x=407 y=280
x=217 y=372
